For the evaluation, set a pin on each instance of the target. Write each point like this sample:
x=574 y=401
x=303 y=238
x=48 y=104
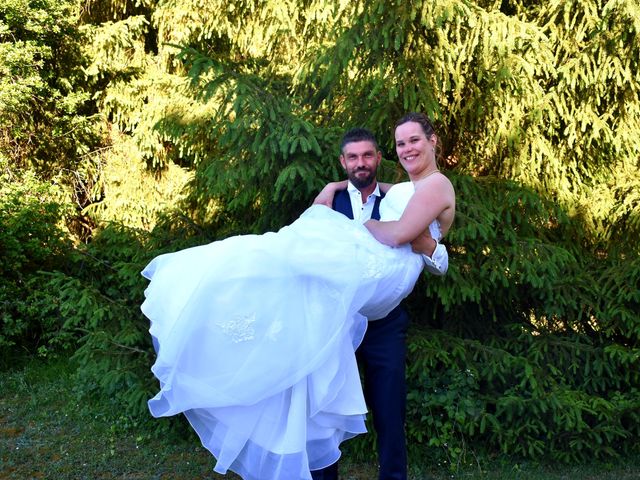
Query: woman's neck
x=423 y=175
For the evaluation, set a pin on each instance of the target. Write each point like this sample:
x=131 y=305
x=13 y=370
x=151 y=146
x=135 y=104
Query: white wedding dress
x=255 y=337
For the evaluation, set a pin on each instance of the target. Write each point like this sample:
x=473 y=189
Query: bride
x=255 y=334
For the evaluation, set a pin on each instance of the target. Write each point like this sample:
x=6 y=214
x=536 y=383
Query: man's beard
x=362 y=182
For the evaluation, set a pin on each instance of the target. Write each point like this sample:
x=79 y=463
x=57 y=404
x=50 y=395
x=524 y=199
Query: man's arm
x=434 y=254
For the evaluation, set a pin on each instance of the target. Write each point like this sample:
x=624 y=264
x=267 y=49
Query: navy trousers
x=382 y=358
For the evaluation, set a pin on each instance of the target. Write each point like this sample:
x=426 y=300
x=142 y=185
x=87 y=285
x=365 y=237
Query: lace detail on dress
x=274 y=329
x=373 y=267
x=375 y=261
x=239 y=328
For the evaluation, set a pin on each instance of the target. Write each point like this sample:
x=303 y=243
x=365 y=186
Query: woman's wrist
x=327 y=194
x=337 y=186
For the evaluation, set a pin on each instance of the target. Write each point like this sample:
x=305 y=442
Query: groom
x=381 y=355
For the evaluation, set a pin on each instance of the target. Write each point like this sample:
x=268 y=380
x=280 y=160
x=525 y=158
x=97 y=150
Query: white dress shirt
x=437 y=263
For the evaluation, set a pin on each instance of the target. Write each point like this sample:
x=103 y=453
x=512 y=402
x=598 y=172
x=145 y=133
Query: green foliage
x=44 y=117
x=32 y=240
x=543 y=94
x=618 y=302
x=545 y=396
x=97 y=299
x=263 y=165
x=99 y=11
x=515 y=241
x=131 y=194
x=529 y=345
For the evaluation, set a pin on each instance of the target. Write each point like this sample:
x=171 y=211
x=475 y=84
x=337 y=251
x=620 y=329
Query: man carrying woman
x=257 y=334
x=382 y=353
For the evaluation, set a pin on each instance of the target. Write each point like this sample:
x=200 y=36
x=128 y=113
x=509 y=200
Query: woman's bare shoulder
x=436 y=184
x=437 y=191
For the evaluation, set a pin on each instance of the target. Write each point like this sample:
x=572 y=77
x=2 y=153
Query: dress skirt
x=255 y=338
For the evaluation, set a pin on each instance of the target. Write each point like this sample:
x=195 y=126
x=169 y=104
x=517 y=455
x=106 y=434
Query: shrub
x=33 y=240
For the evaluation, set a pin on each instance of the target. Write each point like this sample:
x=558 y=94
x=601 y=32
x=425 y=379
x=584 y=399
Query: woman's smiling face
x=415 y=151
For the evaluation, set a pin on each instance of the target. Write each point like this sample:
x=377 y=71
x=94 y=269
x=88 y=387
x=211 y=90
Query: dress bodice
x=395 y=201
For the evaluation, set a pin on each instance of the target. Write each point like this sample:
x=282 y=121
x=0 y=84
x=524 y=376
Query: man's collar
x=352 y=189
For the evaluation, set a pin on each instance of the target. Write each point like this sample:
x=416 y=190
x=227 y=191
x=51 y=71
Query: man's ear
x=343 y=163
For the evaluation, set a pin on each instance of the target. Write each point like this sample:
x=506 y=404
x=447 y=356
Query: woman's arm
x=326 y=195
x=433 y=199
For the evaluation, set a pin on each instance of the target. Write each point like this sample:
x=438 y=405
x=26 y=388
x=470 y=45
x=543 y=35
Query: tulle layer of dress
x=255 y=339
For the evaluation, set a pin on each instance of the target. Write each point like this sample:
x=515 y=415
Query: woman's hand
x=384 y=187
x=326 y=195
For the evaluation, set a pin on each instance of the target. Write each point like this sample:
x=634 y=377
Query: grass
x=45 y=433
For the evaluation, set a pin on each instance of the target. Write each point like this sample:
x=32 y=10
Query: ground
x=45 y=433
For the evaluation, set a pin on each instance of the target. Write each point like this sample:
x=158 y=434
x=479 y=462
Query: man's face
x=360 y=160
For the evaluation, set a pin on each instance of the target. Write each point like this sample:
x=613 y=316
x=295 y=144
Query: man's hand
x=424 y=244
